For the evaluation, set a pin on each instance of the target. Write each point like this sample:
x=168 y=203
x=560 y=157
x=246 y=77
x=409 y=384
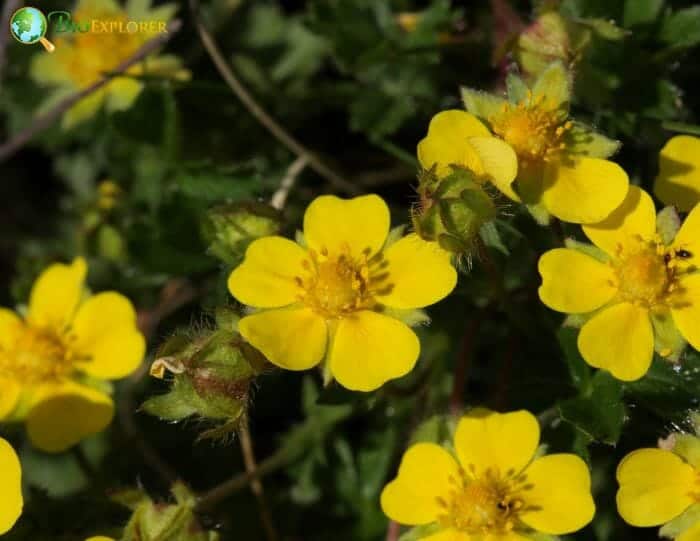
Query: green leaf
x=600 y=412
x=212 y=186
x=491 y=237
x=641 y=12
x=681 y=29
x=578 y=368
x=605 y=28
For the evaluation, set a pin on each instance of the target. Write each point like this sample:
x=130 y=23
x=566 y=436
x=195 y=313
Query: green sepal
x=539 y=213
x=588 y=249
x=421 y=532
x=690 y=517
x=605 y=28
x=395 y=234
x=687 y=446
x=491 y=237
x=585 y=141
x=668 y=341
x=554 y=84
x=516 y=88
x=668 y=223
x=411 y=317
x=435 y=429
x=482 y=104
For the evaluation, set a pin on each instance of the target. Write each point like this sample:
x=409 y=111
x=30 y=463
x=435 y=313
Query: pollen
x=483 y=504
x=336 y=284
x=535 y=132
x=37 y=355
x=647 y=273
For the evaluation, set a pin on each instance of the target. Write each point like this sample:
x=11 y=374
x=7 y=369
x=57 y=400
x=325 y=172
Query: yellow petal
x=11 y=501
x=424 y=476
x=420 y=273
x=291 y=338
x=447 y=142
x=369 y=349
x=64 y=413
x=688 y=237
x=655 y=487
x=266 y=278
x=561 y=494
x=10 y=391
x=122 y=93
x=619 y=339
x=51 y=69
x=499 y=163
x=678 y=182
x=10 y=326
x=573 y=282
x=105 y=331
x=99 y=538
x=635 y=217
x=56 y=294
x=691 y=534
x=449 y=534
x=686 y=315
x=506 y=441
x=359 y=224
x=583 y=190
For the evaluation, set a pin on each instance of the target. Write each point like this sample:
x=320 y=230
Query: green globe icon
x=28 y=25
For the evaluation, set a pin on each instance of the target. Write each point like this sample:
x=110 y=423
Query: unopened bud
x=452 y=210
x=230 y=228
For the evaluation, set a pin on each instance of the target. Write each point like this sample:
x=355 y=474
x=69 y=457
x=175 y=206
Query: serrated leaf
x=681 y=29
x=578 y=368
x=600 y=413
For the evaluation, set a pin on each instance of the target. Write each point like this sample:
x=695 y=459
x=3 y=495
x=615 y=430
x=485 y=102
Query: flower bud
x=175 y=521
x=452 y=210
x=212 y=375
x=231 y=227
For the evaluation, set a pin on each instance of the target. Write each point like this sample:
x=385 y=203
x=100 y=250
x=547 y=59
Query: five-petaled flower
x=11 y=501
x=334 y=298
x=561 y=170
x=678 y=182
x=496 y=488
x=82 y=58
x=53 y=363
x=662 y=487
x=637 y=292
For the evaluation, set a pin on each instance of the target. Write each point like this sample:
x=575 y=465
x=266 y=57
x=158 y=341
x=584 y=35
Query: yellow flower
x=640 y=292
x=660 y=486
x=495 y=489
x=333 y=298
x=53 y=361
x=560 y=167
x=458 y=138
x=81 y=58
x=11 y=501
x=99 y=538
x=678 y=182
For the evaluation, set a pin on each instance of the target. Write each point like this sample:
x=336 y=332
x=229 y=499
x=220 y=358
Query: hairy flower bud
x=452 y=210
x=174 y=521
x=212 y=374
x=231 y=227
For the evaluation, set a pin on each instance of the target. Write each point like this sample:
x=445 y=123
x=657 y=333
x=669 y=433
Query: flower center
x=534 y=133
x=337 y=284
x=489 y=503
x=37 y=355
x=647 y=273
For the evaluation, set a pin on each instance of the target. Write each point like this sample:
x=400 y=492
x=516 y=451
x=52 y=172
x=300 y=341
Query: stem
x=256 y=485
x=238 y=482
x=279 y=198
x=392 y=532
x=255 y=109
x=44 y=121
